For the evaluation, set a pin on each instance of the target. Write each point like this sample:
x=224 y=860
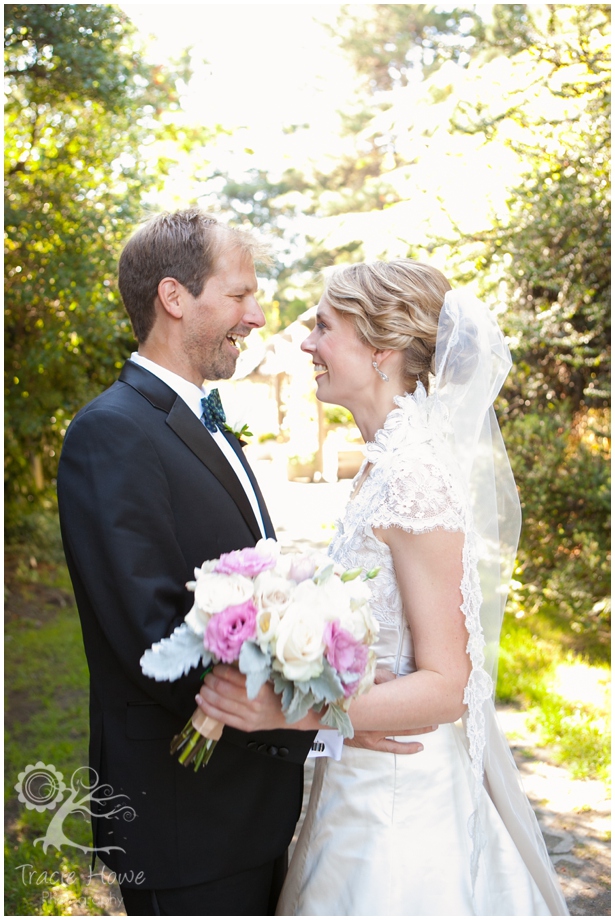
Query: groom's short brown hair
x=183 y=245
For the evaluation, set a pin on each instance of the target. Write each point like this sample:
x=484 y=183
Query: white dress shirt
x=192 y=396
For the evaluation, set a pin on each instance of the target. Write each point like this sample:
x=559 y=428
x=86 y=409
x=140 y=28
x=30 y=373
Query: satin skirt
x=388 y=835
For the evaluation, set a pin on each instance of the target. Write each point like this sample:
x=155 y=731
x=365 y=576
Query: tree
x=553 y=252
x=454 y=111
x=270 y=206
x=82 y=110
x=393 y=44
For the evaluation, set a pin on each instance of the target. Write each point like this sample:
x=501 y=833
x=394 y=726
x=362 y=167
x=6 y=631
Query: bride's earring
x=378 y=371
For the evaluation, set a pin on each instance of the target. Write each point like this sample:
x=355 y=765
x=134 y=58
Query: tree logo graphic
x=40 y=787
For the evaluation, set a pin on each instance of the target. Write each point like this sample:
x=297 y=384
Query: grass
x=574 y=721
x=46 y=694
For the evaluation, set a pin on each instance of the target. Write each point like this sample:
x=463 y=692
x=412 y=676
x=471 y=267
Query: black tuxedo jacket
x=145 y=495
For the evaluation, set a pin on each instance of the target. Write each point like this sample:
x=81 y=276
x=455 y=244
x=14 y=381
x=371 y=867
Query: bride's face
x=343 y=363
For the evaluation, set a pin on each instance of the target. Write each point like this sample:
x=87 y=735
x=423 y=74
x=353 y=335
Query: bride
x=449 y=831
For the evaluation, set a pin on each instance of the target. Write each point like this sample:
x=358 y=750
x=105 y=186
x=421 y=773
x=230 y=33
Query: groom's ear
x=170 y=296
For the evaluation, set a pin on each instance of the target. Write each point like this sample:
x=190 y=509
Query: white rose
x=348 y=602
x=358 y=618
x=360 y=590
x=197 y=620
x=267 y=623
x=299 y=646
x=208 y=566
x=215 y=591
x=272 y=592
x=333 y=598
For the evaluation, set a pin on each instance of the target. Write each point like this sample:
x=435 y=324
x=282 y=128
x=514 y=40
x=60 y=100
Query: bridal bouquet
x=298 y=620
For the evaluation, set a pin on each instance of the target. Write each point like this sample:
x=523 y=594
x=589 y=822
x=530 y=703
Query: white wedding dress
x=445 y=832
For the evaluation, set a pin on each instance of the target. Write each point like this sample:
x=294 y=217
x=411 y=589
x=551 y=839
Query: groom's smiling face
x=223 y=314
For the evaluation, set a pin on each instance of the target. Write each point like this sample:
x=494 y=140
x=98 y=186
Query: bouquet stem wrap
x=197 y=740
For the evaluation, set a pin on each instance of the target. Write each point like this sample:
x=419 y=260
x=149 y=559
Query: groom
x=147 y=491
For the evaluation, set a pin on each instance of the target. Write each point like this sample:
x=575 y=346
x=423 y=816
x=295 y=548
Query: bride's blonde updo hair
x=393 y=305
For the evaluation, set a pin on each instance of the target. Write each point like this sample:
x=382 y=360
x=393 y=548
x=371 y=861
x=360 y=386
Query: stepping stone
x=569 y=864
x=557 y=841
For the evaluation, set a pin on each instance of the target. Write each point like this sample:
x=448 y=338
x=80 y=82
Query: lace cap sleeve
x=415 y=487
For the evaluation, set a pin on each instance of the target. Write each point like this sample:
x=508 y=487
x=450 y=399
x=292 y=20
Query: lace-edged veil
x=472 y=362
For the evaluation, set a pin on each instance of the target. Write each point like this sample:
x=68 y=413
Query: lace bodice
x=408 y=486
x=413 y=484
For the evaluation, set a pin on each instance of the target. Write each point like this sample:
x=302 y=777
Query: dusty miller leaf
x=327 y=686
x=252 y=658
x=256 y=665
x=299 y=706
x=171 y=658
x=284 y=686
x=335 y=717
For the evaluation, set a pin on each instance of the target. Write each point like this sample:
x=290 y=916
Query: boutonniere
x=241 y=433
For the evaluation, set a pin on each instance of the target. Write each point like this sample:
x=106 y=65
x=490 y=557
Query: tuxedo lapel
x=184 y=423
x=193 y=433
x=233 y=441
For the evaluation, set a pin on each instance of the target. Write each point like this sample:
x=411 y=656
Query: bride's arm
x=428 y=568
x=223 y=697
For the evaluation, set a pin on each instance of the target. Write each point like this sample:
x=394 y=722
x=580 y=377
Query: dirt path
x=575 y=818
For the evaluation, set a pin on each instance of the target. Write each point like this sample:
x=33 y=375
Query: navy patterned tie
x=213 y=414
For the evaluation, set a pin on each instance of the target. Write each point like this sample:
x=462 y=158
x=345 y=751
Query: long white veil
x=472 y=363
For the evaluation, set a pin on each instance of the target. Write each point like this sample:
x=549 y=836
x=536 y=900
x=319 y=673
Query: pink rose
x=227 y=631
x=344 y=653
x=249 y=561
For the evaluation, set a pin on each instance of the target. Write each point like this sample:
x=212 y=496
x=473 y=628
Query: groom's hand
x=378 y=741
x=223 y=696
